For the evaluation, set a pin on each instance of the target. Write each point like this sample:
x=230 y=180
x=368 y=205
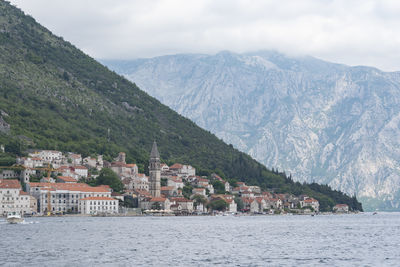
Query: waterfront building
x=341 y=208
x=64 y=197
x=12 y=198
x=186 y=205
x=310 y=202
x=98 y=205
x=155 y=172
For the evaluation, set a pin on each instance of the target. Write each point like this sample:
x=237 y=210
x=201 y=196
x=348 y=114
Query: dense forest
x=54 y=96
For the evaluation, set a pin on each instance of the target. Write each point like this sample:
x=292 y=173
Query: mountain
x=53 y=96
x=320 y=121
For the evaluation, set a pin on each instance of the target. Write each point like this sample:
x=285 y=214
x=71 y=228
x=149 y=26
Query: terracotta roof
x=66 y=178
x=143 y=192
x=341 y=205
x=7 y=183
x=259 y=199
x=23 y=193
x=131 y=165
x=176 y=166
x=180 y=199
x=310 y=200
x=118 y=164
x=247 y=200
x=157 y=199
x=167 y=188
x=80 y=167
x=98 y=198
x=202 y=180
x=71 y=187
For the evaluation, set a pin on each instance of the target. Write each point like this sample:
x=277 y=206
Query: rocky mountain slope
x=320 y=121
x=53 y=96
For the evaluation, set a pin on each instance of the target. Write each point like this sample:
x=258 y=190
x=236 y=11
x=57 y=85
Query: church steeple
x=154 y=151
x=155 y=172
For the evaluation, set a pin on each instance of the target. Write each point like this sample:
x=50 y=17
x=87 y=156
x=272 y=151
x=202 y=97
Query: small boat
x=374 y=213
x=14 y=217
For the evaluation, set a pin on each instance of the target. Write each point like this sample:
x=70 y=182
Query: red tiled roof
x=176 y=166
x=143 y=192
x=80 y=167
x=180 y=199
x=131 y=165
x=71 y=187
x=310 y=200
x=341 y=205
x=66 y=178
x=167 y=188
x=98 y=198
x=157 y=199
x=23 y=193
x=259 y=199
x=10 y=183
x=118 y=164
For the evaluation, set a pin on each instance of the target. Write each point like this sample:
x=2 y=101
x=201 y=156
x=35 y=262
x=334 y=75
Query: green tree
x=156 y=206
x=199 y=199
x=187 y=191
x=108 y=177
x=164 y=181
x=239 y=203
x=219 y=187
x=218 y=204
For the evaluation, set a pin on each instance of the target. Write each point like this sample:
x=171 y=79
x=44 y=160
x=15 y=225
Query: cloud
x=358 y=32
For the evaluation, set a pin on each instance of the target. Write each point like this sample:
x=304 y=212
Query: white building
x=183 y=170
x=310 y=202
x=48 y=157
x=64 y=197
x=75 y=159
x=81 y=171
x=12 y=198
x=95 y=205
x=341 y=208
x=7 y=174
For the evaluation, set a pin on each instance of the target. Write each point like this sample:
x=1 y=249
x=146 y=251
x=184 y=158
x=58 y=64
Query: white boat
x=14 y=217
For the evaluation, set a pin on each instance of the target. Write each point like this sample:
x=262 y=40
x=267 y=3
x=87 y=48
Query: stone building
x=155 y=172
x=12 y=198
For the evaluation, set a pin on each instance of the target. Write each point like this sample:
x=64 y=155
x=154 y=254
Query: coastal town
x=48 y=182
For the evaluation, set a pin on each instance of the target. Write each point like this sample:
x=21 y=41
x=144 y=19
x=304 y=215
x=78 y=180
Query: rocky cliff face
x=320 y=121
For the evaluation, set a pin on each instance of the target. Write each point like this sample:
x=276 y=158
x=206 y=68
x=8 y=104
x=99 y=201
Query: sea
x=276 y=240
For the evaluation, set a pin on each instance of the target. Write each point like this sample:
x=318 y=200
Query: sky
x=352 y=32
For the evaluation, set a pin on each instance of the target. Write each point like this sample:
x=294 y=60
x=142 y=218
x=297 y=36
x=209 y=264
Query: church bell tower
x=155 y=172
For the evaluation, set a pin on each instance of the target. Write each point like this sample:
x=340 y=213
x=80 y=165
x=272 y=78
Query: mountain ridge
x=319 y=121
x=56 y=97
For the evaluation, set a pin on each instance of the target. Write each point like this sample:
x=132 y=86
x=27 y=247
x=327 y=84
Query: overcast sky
x=353 y=32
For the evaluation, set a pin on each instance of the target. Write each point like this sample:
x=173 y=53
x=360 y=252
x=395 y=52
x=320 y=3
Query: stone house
x=341 y=208
x=310 y=202
x=12 y=198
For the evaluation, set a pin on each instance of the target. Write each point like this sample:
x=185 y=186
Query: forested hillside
x=53 y=96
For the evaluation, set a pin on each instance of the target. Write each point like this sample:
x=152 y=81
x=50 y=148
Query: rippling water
x=333 y=240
